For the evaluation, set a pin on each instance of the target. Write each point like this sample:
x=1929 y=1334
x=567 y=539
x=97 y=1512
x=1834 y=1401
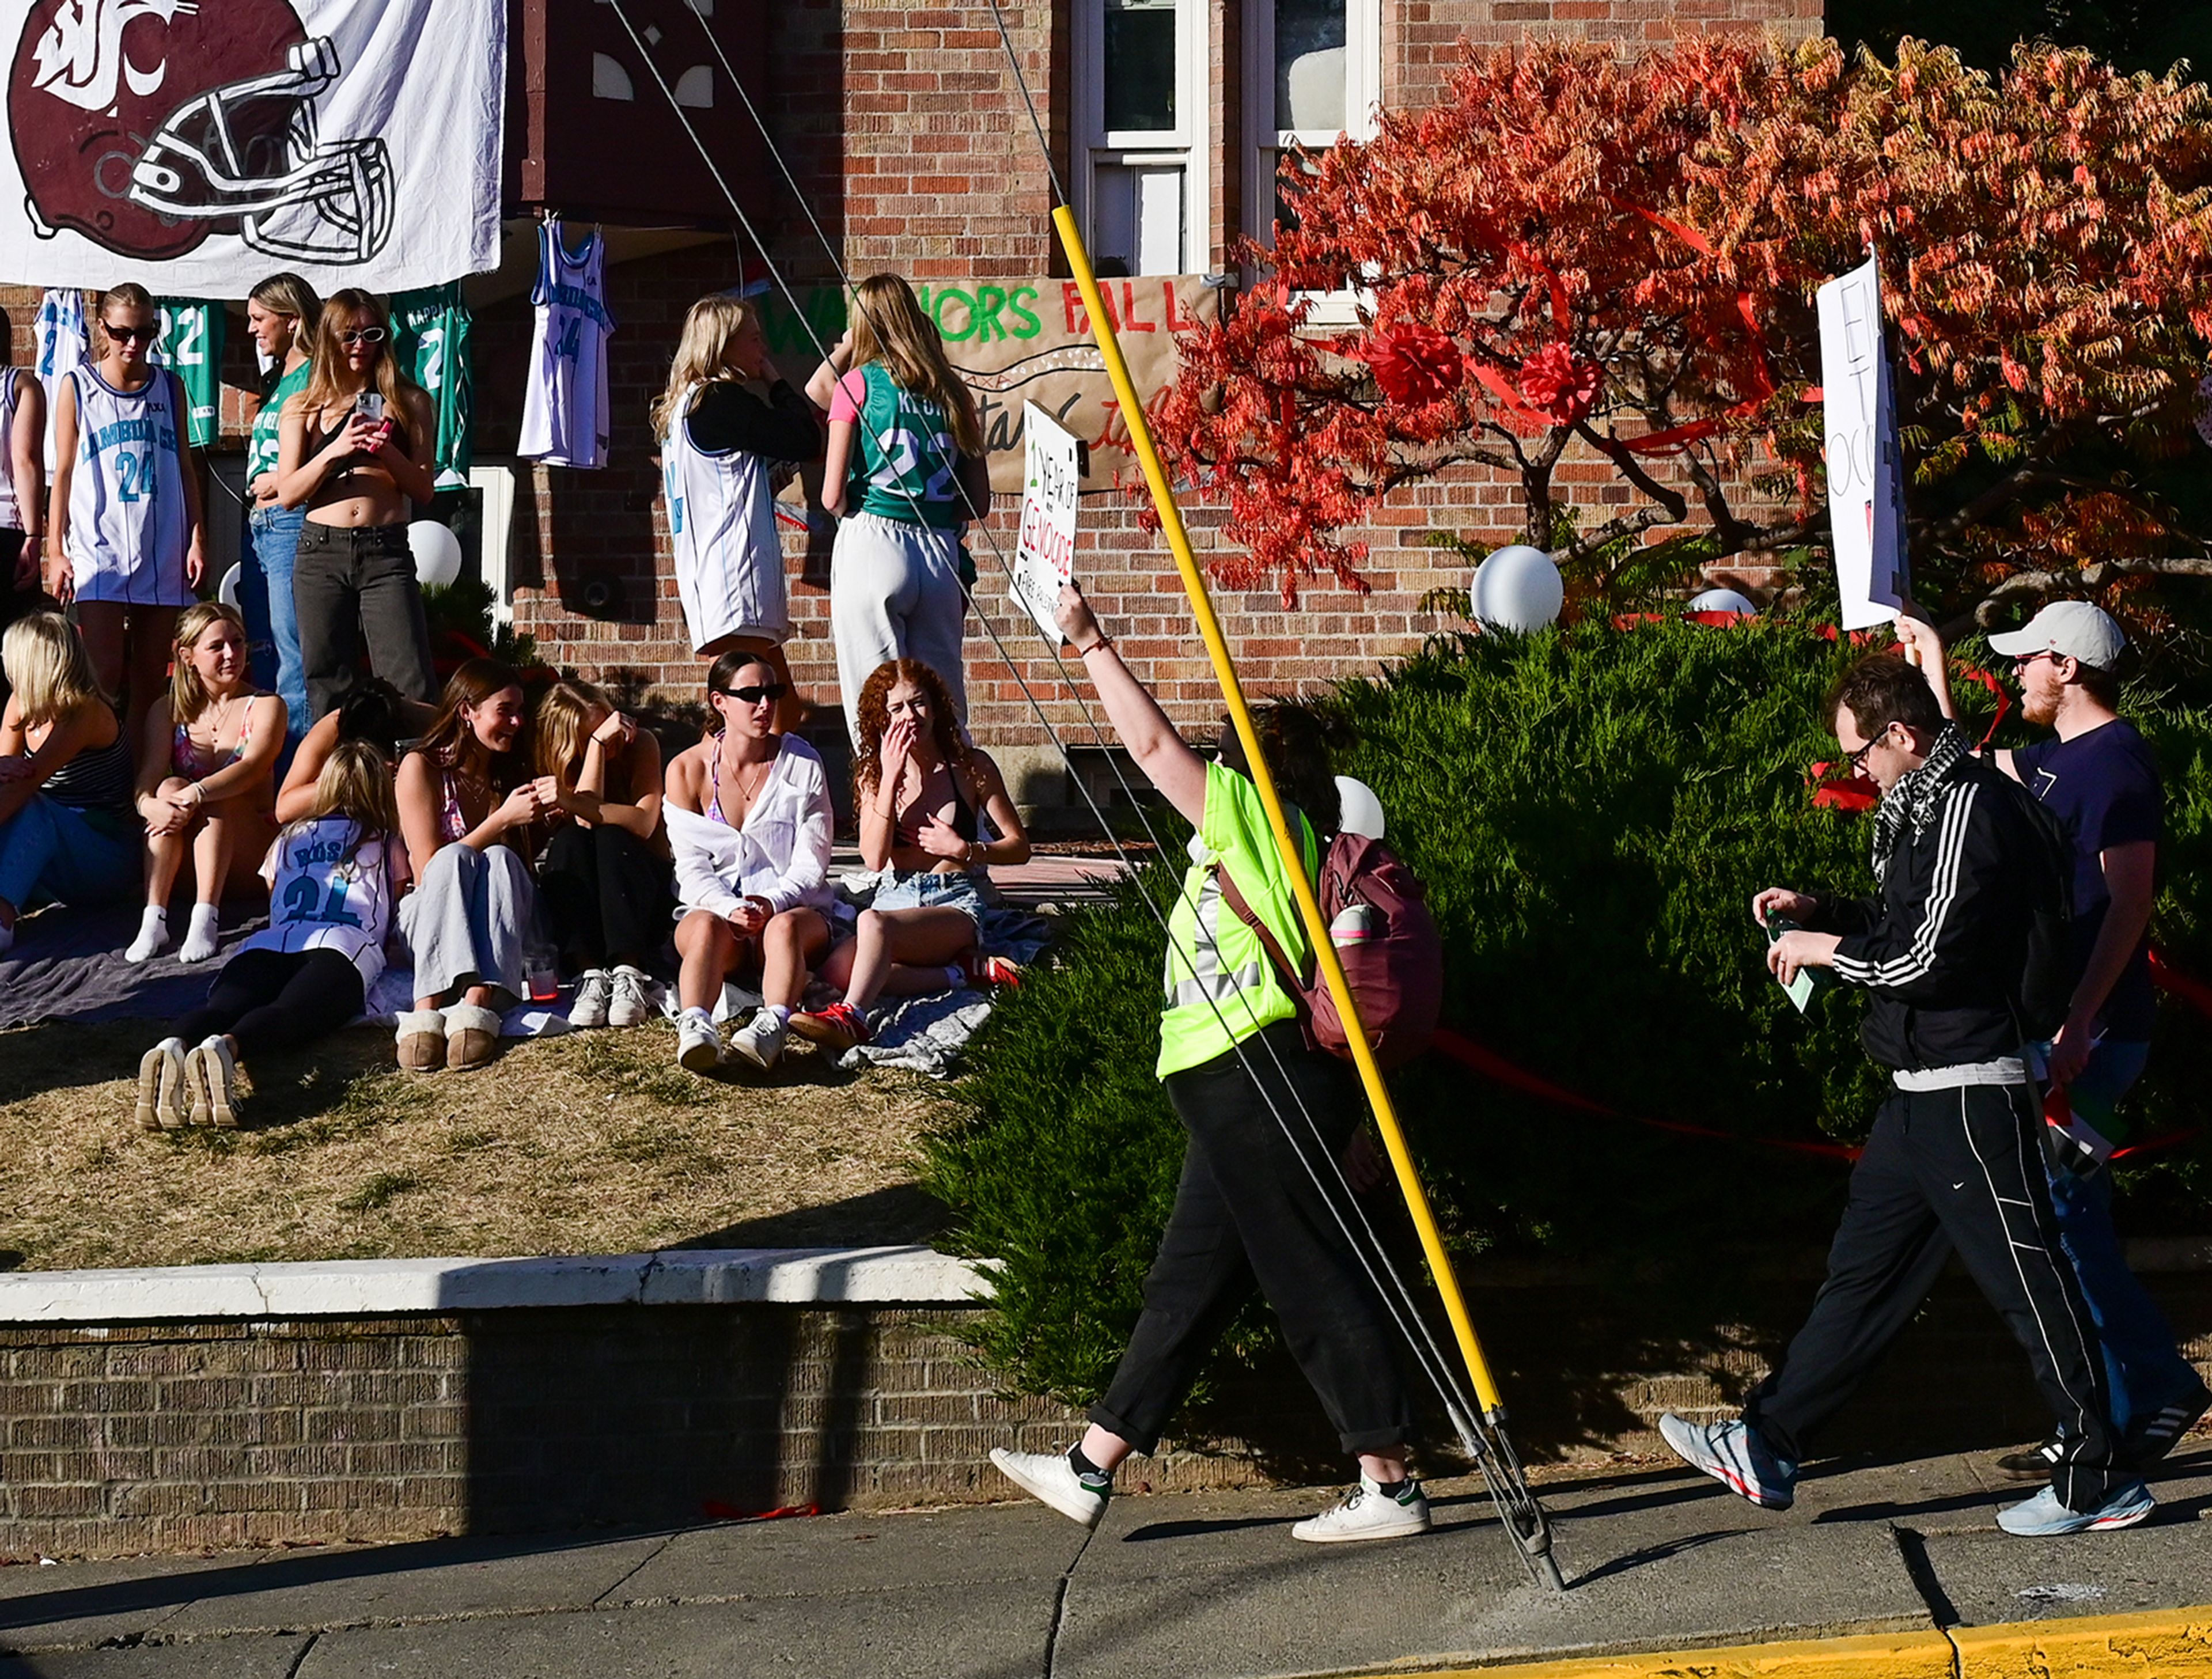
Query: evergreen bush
x=1592 y=809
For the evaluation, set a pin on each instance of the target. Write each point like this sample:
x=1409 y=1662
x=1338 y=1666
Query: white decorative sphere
x=1517 y=588
x=437 y=553
x=1359 y=812
x=1725 y=600
x=227 y=590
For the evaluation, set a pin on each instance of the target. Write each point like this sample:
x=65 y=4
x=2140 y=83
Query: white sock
x=777 y=1011
x=704 y=1016
x=153 y=935
x=201 y=937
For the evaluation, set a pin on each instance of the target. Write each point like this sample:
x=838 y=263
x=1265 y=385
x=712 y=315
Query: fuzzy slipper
x=421 y=1040
x=472 y=1035
x=161 y=1087
x=212 y=1075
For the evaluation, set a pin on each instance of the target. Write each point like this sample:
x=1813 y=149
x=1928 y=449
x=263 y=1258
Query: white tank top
x=721 y=528
x=11 y=506
x=319 y=900
x=564 y=408
x=126 y=510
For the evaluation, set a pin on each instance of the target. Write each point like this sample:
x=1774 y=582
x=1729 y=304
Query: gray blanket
x=67 y=965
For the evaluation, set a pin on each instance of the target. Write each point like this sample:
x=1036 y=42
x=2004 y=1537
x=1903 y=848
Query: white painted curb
x=376 y=1288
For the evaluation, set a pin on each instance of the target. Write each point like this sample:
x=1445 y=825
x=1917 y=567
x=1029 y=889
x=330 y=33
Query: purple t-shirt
x=2104 y=788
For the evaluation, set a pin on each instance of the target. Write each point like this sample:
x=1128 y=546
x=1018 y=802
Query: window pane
x=1310 y=65
x=1136 y=225
x=1140 y=65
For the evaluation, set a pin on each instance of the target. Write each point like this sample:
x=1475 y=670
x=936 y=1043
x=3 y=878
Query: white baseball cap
x=2070 y=629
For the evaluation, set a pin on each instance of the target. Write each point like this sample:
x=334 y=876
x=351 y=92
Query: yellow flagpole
x=1178 y=540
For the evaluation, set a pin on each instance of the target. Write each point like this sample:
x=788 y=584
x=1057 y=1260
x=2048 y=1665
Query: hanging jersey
x=722 y=527
x=190 y=346
x=61 y=347
x=564 y=411
x=322 y=898
x=11 y=505
x=430 y=330
x=262 y=442
x=126 y=509
x=907 y=461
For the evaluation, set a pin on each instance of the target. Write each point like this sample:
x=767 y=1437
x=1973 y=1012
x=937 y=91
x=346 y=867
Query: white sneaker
x=1049 y=1476
x=590 y=1008
x=211 y=1076
x=629 y=1006
x=760 y=1040
x=698 y=1045
x=160 y=1105
x=1368 y=1512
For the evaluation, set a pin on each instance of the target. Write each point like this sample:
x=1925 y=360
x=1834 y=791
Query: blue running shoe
x=2043 y=1516
x=1734 y=1455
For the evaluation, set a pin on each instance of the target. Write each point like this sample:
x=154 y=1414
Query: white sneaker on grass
x=698 y=1045
x=160 y=1104
x=629 y=1006
x=1368 y=1512
x=590 y=1008
x=1049 y=1477
x=760 y=1040
x=211 y=1074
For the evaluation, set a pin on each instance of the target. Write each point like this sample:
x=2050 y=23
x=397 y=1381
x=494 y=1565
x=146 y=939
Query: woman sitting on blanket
x=373 y=710
x=333 y=876
x=749 y=820
x=467 y=806
x=207 y=780
x=919 y=786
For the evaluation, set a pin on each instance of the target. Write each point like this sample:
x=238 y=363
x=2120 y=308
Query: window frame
x=1185 y=146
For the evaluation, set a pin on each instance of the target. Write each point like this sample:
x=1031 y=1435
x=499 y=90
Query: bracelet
x=1103 y=641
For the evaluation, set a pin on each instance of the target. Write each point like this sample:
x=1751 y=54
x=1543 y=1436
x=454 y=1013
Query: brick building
x=912 y=150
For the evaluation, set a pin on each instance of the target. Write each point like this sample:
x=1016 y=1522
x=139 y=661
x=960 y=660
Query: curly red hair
x=873 y=715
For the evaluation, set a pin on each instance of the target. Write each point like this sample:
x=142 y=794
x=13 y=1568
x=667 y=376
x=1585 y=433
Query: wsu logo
x=227 y=91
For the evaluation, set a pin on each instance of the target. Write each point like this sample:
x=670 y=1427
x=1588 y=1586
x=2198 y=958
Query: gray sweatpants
x=466 y=919
x=894 y=593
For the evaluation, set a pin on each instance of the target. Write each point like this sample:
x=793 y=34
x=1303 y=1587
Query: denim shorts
x=926 y=889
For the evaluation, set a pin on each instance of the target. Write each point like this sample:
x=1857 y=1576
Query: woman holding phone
x=354 y=450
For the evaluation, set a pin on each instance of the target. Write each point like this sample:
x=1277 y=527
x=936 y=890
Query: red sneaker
x=985 y=971
x=839 y=1026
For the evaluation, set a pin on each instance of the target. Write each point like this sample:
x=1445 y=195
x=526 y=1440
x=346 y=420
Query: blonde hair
x=289 y=295
x=188 y=695
x=703 y=353
x=48 y=667
x=563 y=711
x=355 y=783
x=128 y=295
x=889 y=326
x=327 y=367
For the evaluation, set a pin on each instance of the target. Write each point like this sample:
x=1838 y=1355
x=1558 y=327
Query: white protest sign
x=1044 y=552
x=1866 y=468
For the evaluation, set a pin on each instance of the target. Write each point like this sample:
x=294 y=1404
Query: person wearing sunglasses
x=346 y=453
x=123 y=529
x=749 y=822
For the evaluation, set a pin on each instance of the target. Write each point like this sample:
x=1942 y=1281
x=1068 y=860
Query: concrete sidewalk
x=1189 y=1586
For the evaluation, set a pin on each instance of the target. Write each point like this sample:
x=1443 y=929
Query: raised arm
x=1167 y=760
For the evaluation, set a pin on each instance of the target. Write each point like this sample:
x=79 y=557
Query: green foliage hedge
x=1592 y=809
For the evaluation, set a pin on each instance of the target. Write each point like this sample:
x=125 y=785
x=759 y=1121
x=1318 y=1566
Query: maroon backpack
x=1387 y=941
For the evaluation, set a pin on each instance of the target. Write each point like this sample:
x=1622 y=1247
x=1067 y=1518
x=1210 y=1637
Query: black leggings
x=605 y=896
x=274 y=999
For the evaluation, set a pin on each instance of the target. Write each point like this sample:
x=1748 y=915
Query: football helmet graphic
x=146 y=125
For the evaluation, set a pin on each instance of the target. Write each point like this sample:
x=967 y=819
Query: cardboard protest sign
x=1866 y=466
x=1044 y=551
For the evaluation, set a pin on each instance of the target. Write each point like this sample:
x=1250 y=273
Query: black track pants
x=605 y=895
x=1949 y=1169
x=275 y=999
x=1247 y=1213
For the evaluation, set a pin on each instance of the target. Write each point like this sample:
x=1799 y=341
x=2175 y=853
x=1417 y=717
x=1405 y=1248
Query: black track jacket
x=1941 y=951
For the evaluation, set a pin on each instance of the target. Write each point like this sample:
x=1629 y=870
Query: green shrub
x=1592 y=809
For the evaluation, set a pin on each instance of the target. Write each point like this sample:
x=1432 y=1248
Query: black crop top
x=318 y=439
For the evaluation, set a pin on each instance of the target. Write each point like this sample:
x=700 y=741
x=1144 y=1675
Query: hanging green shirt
x=906 y=462
x=190 y=346
x=1219 y=986
x=430 y=330
x=261 y=443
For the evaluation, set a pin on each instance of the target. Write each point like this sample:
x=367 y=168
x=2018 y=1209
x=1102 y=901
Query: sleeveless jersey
x=11 y=506
x=126 y=510
x=61 y=346
x=721 y=526
x=319 y=900
x=908 y=460
x=190 y=346
x=430 y=330
x=564 y=410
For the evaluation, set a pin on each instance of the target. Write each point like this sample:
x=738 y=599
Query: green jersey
x=190 y=346
x=1220 y=987
x=430 y=338
x=908 y=461
x=261 y=443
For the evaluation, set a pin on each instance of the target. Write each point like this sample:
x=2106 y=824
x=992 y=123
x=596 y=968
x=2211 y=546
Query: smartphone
x=369 y=405
x=1800 y=990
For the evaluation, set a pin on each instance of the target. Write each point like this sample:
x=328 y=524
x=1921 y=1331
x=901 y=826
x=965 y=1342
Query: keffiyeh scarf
x=1913 y=801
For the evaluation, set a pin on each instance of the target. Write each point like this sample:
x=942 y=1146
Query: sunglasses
x=131 y=334
x=774 y=691
x=362 y=335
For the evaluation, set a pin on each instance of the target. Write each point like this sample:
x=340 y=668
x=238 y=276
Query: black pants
x=349 y=581
x=1944 y=1170
x=1246 y=1212
x=274 y=999
x=605 y=896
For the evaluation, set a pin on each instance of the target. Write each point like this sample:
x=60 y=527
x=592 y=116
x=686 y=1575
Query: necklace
x=746 y=795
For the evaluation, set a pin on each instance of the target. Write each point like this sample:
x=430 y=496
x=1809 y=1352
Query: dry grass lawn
x=595 y=1142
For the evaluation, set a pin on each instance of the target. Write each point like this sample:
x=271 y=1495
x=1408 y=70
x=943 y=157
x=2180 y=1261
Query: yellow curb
x=2161 y=1644
x=1926 y=1655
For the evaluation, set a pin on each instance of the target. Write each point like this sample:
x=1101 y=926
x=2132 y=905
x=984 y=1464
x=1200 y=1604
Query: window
x=1314 y=75
x=1139 y=72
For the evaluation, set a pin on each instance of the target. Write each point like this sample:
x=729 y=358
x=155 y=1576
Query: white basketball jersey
x=126 y=509
x=61 y=347
x=564 y=411
x=321 y=900
x=721 y=526
x=11 y=505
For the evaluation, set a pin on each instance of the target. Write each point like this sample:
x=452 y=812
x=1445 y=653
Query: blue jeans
x=272 y=620
x=2143 y=1369
x=49 y=850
